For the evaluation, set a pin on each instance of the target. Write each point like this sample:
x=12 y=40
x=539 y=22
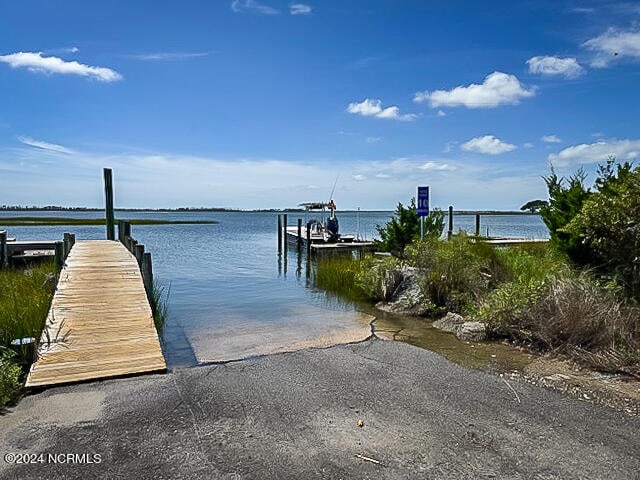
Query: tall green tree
x=566 y=197
x=534 y=206
x=608 y=224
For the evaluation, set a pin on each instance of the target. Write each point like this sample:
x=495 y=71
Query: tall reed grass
x=25 y=297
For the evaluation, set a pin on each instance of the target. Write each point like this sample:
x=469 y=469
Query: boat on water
x=323 y=227
x=326 y=228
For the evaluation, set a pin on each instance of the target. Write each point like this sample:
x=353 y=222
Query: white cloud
x=373 y=108
x=549 y=66
x=252 y=6
x=614 y=43
x=175 y=180
x=551 y=139
x=487 y=144
x=359 y=178
x=373 y=139
x=596 y=152
x=497 y=89
x=52 y=147
x=382 y=175
x=441 y=113
x=35 y=62
x=441 y=167
x=528 y=145
x=299 y=9
x=167 y=56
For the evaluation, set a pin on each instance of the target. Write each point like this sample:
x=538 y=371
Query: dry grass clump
x=574 y=315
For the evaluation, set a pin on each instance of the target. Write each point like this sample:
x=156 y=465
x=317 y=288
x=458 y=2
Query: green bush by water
x=10 y=372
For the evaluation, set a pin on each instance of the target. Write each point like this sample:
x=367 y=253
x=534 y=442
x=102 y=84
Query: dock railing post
x=4 y=255
x=299 y=234
x=59 y=254
x=4 y=251
x=279 y=232
x=67 y=244
x=127 y=234
x=139 y=253
x=147 y=276
x=477 y=224
x=108 y=192
x=450 y=231
x=121 y=231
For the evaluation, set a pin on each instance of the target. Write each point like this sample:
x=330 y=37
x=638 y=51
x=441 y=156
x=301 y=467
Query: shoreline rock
x=467 y=331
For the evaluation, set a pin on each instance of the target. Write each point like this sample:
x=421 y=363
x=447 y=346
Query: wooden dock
x=100 y=322
x=318 y=244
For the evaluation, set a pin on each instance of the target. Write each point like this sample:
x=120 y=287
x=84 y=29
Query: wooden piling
x=4 y=254
x=66 y=241
x=477 y=224
x=121 y=231
x=284 y=232
x=147 y=275
x=59 y=254
x=450 y=231
x=279 y=232
x=139 y=253
x=299 y=234
x=308 y=239
x=108 y=192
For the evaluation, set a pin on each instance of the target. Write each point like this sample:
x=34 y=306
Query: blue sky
x=264 y=103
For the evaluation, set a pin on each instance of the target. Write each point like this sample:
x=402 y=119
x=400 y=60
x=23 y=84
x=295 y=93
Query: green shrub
x=457 y=273
x=10 y=385
x=570 y=313
x=565 y=201
x=377 y=277
x=404 y=228
x=609 y=225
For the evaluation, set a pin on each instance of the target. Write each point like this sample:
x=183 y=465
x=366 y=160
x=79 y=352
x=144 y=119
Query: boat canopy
x=314 y=205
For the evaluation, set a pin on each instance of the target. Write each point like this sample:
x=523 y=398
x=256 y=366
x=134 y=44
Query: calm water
x=231 y=294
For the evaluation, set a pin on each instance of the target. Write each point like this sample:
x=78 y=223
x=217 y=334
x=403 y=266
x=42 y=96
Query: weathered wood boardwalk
x=100 y=323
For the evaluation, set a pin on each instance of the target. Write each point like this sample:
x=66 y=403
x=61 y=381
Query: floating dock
x=100 y=322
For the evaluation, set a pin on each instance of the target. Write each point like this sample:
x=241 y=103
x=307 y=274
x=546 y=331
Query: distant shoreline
x=232 y=210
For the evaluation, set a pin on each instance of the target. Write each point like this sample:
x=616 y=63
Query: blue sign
x=423 y=201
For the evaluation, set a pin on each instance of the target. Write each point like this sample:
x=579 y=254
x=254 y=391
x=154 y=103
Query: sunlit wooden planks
x=100 y=323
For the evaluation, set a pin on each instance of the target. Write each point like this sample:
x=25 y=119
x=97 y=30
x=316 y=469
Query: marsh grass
x=159 y=305
x=25 y=297
x=338 y=274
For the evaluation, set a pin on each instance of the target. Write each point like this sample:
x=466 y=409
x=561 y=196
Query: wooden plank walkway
x=100 y=323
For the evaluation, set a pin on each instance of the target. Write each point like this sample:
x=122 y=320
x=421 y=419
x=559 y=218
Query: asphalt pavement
x=370 y=410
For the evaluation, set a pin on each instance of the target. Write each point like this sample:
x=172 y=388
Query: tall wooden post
x=279 y=232
x=108 y=193
x=284 y=230
x=308 y=239
x=4 y=253
x=450 y=232
x=299 y=234
x=477 y=224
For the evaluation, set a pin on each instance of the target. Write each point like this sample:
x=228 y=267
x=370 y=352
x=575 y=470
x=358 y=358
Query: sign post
x=423 y=207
